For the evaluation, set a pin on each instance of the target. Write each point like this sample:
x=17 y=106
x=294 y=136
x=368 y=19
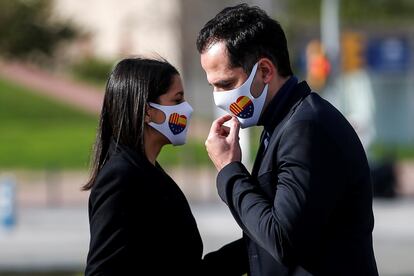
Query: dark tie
x=266 y=138
x=264 y=141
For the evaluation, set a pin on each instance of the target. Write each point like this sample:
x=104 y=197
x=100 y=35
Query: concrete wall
x=128 y=27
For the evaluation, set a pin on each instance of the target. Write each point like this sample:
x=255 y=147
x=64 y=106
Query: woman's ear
x=154 y=115
x=267 y=69
x=147 y=118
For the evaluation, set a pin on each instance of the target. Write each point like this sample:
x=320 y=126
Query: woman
x=139 y=218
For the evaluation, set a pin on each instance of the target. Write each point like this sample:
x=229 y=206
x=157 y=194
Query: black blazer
x=306 y=209
x=141 y=221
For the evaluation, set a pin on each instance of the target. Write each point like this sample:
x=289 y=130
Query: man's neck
x=274 y=87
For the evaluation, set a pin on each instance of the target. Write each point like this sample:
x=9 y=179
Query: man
x=306 y=208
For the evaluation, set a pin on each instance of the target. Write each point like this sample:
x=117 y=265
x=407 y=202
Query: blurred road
x=57 y=239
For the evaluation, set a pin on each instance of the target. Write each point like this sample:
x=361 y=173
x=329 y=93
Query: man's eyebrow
x=225 y=82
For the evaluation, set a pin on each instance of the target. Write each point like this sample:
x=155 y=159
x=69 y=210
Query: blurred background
x=55 y=56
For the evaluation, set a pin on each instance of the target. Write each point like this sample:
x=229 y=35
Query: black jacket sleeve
x=289 y=223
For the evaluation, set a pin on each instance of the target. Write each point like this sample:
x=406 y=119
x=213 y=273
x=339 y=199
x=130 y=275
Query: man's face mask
x=240 y=101
x=175 y=126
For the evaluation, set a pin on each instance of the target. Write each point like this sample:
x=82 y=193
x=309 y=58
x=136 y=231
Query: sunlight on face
x=221 y=76
x=216 y=64
x=173 y=96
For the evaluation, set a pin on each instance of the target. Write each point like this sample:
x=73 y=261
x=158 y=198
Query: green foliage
x=383 y=151
x=377 y=11
x=38 y=133
x=303 y=12
x=354 y=11
x=26 y=29
x=92 y=70
x=192 y=154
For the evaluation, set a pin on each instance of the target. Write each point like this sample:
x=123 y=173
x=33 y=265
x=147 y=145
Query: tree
x=378 y=12
x=26 y=29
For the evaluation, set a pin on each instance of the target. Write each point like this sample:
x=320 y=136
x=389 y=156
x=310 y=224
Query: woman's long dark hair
x=131 y=85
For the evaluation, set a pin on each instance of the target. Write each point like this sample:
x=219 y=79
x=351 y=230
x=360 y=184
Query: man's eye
x=228 y=86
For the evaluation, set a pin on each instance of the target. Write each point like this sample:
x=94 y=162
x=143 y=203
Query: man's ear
x=267 y=69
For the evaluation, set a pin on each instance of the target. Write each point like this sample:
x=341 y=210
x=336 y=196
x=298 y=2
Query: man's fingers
x=221 y=120
x=224 y=131
x=234 y=129
x=218 y=123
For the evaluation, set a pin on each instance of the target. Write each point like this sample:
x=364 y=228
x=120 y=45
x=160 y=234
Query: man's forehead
x=216 y=64
x=215 y=57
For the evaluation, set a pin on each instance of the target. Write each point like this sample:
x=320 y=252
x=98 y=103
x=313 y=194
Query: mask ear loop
x=157 y=107
x=252 y=75
x=255 y=69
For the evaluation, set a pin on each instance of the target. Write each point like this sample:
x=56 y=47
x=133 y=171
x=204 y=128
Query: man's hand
x=222 y=143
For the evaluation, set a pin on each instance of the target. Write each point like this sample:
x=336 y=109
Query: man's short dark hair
x=249 y=34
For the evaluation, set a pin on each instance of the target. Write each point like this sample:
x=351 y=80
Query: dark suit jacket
x=306 y=209
x=141 y=221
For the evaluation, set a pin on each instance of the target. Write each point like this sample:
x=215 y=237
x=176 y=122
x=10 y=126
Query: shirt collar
x=290 y=92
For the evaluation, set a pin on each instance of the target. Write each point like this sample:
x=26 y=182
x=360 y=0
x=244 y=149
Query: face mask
x=241 y=103
x=175 y=126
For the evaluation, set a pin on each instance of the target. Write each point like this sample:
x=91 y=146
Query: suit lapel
x=282 y=109
x=259 y=156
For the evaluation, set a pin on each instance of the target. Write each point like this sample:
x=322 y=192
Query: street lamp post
x=330 y=33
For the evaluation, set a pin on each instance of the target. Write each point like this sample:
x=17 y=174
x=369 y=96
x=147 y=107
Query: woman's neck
x=152 y=145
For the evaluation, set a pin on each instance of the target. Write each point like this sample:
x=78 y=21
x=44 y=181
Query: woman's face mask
x=240 y=101
x=175 y=126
